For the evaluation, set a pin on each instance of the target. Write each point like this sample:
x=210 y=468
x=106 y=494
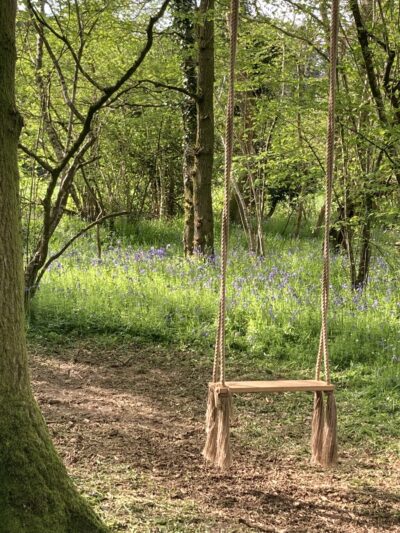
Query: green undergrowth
x=142 y=289
x=141 y=505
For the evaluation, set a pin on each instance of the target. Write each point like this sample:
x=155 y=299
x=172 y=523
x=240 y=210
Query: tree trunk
x=36 y=494
x=204 y=155
x=272 y=209
x=365 y=252
x=185 y=10
x=299 y=218
x=162 y=213
x=320 y=220
x=300 y=202
x=170 y=207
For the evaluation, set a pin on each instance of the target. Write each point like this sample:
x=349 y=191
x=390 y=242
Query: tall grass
x=143 y=288
x=273 y=302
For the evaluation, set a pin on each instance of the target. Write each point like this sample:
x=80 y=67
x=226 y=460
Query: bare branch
x=110 y=91
x=55 y=256
x=308 y=11
x=297 y=36
x=38 y=159
x=61 y=77
x=170 y=87
x=65 y=40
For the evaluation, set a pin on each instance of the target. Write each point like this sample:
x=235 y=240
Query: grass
x=147 y=510
x=143 y=288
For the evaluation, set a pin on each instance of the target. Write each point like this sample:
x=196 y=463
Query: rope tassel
x=217 y=449
x=223 y=456
x=210 y=446
x=317 y=428
x=329 y=448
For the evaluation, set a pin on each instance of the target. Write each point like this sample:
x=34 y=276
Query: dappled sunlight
x=129 y=424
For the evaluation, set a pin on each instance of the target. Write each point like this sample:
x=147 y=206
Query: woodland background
x=121 y=160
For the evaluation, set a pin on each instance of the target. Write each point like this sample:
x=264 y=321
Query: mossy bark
x=36 y=494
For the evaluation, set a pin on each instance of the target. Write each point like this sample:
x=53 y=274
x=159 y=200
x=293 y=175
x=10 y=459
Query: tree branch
x=170 y=87
x=108 y=92
x=55 y=256
x=38 y=159
x=308 y=11
x=296 y=36
x=65 y=40
x=383 y=149
x=362 y=34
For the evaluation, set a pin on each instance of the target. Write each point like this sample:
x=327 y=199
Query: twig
x=75 y=237
x=256 y=525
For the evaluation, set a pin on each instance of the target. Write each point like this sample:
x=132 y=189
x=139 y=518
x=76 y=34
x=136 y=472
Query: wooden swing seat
x=290 y=385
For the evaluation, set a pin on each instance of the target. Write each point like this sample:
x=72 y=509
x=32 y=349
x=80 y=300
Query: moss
x=36 y=493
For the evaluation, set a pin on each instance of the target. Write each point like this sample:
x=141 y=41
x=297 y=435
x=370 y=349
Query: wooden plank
x=298 y=385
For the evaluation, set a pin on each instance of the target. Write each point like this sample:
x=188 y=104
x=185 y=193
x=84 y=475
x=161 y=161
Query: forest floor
x=128 y=422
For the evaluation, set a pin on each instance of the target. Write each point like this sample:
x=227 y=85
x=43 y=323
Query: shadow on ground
x=129 y=424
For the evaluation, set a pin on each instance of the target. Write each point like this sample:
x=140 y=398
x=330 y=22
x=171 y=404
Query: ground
x=128 y=422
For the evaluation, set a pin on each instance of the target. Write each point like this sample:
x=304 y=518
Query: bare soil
x=128 y=422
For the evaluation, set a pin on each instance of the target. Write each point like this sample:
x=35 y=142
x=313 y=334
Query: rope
x=219 y=355
x=323 y=351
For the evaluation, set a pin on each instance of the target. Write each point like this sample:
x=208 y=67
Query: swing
x=323 y=441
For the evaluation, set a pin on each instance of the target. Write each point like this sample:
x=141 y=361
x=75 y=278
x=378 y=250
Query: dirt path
x=130 y=428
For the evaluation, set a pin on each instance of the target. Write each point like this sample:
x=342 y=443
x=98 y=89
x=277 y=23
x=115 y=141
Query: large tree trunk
x=36 y=495
x=203 y=212
x=184 y=21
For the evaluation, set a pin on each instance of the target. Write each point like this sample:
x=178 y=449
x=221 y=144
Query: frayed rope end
x=223 y=456
x=329 y=449
x=317 y=428
x=210 y=446
x=217 y=446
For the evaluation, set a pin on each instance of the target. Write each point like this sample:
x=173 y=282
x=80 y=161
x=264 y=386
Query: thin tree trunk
x=243 y=213
x=300 y=203
x=162 y=214
x=348 y=209
x=204 y=155
x=365 y=252
x=320 y=220
x=36 y=494
x=299 y=217
x=272 y=209
x=170 y=207
x=98 y=241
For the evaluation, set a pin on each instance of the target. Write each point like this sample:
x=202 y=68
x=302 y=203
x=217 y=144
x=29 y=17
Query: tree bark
x=365 y=252
x=204 y=154
x=184 y=22
x=36 y=494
